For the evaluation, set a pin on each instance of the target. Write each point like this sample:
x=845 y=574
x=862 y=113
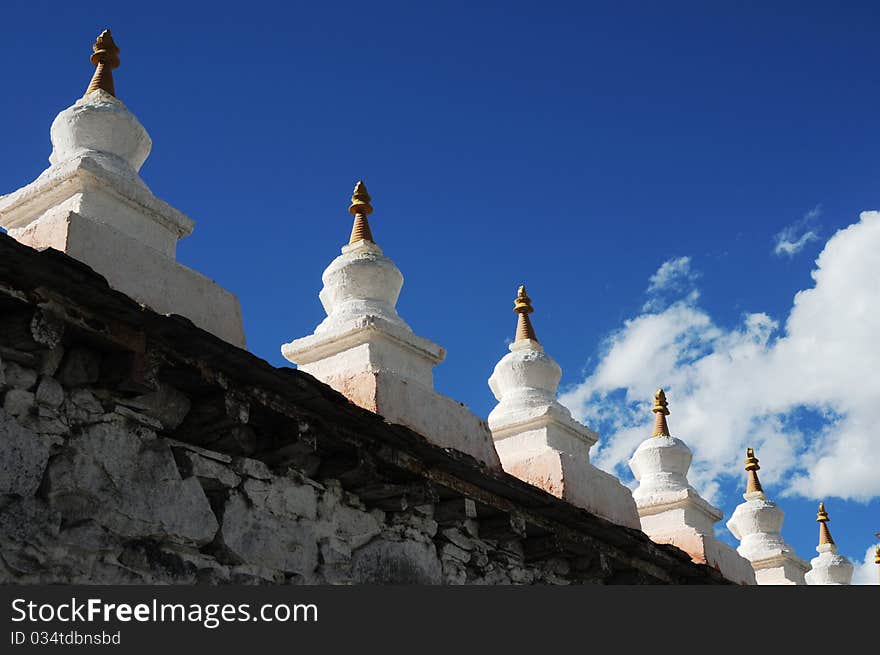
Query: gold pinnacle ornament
x=822 y=519
x=361 y=208
x=523 y=307
x=105 y=57
x=661 y=409
x=752 y=467
x=877 y=555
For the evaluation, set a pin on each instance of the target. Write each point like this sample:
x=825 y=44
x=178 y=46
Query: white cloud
x=674 y=276
x=748 y=386
x=791 y=240
x=788 y=244
x=867 y=572
x=671 y=273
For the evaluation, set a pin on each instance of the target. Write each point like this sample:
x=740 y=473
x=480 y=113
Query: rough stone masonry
x=137 y=448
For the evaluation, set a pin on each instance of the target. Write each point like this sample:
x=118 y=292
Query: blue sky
x=575 y=147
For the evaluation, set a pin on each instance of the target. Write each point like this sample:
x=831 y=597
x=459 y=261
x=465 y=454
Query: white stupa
x=670 y=509
x=757 y=524
x=92 y=204
x=366 y=351
x=536 y=437
x=830 y=567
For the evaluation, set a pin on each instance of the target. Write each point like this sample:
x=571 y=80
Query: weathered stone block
x=51 y=360
x=121 y=413
x=18 y=402
x=167 y=405
x=45 y=421
x=23 y=457
x=454 y=572
x=19 y=377
x=49 y=393
x=283 y=498
x=211 y=473
x=456 y=537
x=255 y=535
x=29 y=543
x=454 y=552
x=338 y=518
x=396 y=562
x=335 y=561
x=80 y=367
x=82 y=407
x=126 y=480
x=251 y=468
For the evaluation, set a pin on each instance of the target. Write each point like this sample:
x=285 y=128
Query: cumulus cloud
x=792 y=239
x=803 y=392
x=867 y=572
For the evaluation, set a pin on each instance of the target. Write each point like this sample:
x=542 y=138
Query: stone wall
x=136 y=448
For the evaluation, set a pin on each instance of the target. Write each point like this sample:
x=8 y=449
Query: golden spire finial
x=877 y=555
x=105 y=57
x=523 y=307
x=822 y=519
x=361 y=208
x=752 y=467
x=661 y=409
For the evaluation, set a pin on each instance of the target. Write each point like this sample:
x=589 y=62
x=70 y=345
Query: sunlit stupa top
x=661 y=411
x=523 y=307
x=526 y=377
x=105 y=57
x=757 y=523
x=830 y=567
x=99 y=125
x=753 y=484
x=822 y=519
x=360 y=208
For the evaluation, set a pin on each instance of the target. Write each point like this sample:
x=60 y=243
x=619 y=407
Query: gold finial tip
x=752 y=468
x=660 y=404
x=661 y=409
x=522 y=304
x=523 y=307
x=105 y=57
x=360 y=200
x=751 y=460
x=360 y=208
x=825 y=537
x=105 y=51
